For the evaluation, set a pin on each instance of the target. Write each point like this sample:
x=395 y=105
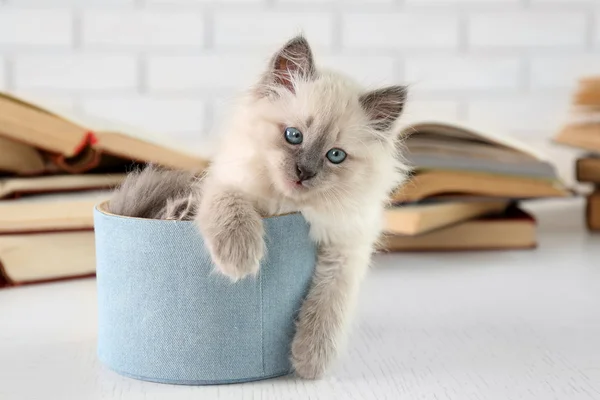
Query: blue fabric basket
x=165 y=315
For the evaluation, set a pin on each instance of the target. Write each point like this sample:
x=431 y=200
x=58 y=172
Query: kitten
x=301 y=140
x=308 y=140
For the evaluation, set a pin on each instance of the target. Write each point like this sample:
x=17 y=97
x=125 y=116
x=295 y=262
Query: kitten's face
x=320 y=133
x=318 y=140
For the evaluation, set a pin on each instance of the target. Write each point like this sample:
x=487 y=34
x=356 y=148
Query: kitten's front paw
x=312 y=352
x=238 y=248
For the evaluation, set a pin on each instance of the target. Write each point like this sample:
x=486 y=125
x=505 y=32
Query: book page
x=463 y=130
x=98 y=124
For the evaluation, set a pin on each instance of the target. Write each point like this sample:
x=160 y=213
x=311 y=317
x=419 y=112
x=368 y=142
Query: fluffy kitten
x=308 y=140
x=303 y=139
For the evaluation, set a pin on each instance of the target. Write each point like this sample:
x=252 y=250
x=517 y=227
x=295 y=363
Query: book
x=29 y=258
x=18 y=158
x=582 y=126
x=18 y=186
x=584 y=136
x=587 y=93
x=78 y=143
x=47 y=238
x=49 y=213
x=414 y=219
x=587 y=169
x=512 y=229
x=454 y=158
x=592 y=211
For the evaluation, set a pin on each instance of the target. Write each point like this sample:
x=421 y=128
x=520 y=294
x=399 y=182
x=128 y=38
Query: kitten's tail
x=157 y=194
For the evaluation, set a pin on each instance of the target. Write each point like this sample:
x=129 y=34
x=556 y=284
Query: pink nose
x=304 y=173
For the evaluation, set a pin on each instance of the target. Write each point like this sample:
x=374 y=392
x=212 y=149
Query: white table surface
x=489 y=325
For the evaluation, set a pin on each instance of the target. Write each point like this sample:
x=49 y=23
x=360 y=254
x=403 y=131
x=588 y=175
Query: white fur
x=345 y=209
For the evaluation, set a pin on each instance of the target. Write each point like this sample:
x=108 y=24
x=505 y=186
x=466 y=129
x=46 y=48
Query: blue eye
x=293 y=135
x=336 y=156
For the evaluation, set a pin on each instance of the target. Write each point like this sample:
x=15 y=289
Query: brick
x=203 y=72
x=160 y=115
x=238 y=72
x=429 y=109
x=399 y=30
x=271 y=29
x=143 y=28
x=463 y=73
x=527 y=29
x=523 y=114
x=369 y=71
x=562 y=72
x=75 y=73
x=35 y=28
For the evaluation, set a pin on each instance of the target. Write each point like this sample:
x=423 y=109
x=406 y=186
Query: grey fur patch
x=312 y=156
x=309 y=121
x=383 y=106
x=157 y=194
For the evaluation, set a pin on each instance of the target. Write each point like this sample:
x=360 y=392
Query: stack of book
x=54 y=168
x=582 y=131
x=463 y=194
x=466 y=189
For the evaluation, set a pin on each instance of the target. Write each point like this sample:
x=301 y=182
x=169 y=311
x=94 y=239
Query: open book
x=457 y=159
x=77 y=143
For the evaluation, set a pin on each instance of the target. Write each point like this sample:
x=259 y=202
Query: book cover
x=510 y=230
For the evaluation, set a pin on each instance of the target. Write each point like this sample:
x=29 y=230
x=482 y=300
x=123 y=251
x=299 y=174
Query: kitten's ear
x=293 y=60
x=384 y=106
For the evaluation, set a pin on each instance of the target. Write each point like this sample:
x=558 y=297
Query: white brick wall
x=142 y=28
x=556 y=72
x=528 y=29
x=390 y=31
x=79 y=73
x=263 y=30
x=170 y=65
x=463 y=73
x=164 y=114
x=521 y=114
x=28 y=28
x=208 y=72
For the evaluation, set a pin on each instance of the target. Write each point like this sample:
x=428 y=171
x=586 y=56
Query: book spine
x=592 y=206
x=578 y=176
x=581 y=176
x=49 y=280
x=4 y=279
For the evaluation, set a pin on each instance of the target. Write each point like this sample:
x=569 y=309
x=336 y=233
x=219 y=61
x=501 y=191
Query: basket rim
x=102 y=208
